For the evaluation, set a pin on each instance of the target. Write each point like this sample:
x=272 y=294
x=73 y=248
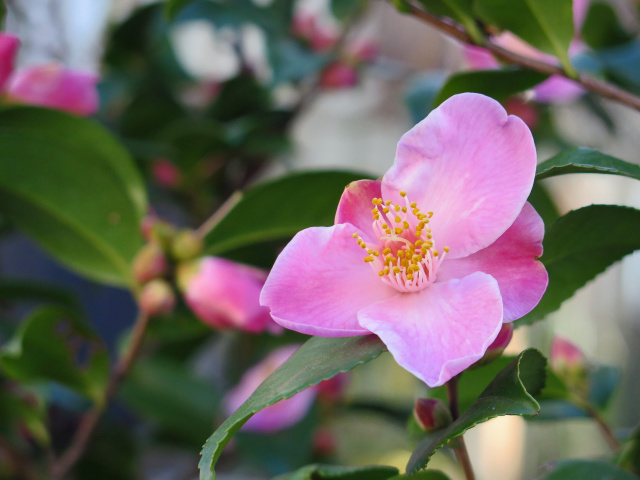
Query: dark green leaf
x=279 y=209
x=602 y=29
x=346 y=9
x=318 y=359
x=586 y=160
x=54 y=344
x=71 y=186
x=579 y=246
x=587 y=470
x=318 y=471
x=459 y=10
x=545 y=24
x=20 y=291
x=510 y=393
x=112 y=454
x=543 y=203
x=422 y=475
x=498 y=84
x=21 y=408
x=621 y=64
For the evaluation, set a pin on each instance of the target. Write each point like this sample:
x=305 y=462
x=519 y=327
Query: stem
x=461 y=449
x=90 y=420
x=608 y=435
x=21 y=464
x=219 y=214
x=602 y=88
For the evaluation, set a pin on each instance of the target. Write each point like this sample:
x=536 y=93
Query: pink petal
x=580 y=9
x=511 y=260
x=355 y=205
x=54 y=86
x=8 y=49
x=225 y=294
x=479 y=58
x=319 y=282
x=557 y=89
x=469 y=163
x=279 y=416
x=440 y=331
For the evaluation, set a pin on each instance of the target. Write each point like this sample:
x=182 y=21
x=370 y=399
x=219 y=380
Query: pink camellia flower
x=565 y=355
x=8 y=50
x=339 y=75
x=279 y=416
x=225 y=294
x=434 y=257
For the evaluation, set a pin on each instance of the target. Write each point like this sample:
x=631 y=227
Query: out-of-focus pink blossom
x=279 y=416
x=525 y=110
x=8 y=49
x=157 y=298
x=225 y=295
x=149 y=263
x=321 y=36
x=331 y=390
x=362 y=50
x=447 y=255
x=565 y=355
x=165 y=173
x=54 y=86
x=339 y=75
x=580 y=9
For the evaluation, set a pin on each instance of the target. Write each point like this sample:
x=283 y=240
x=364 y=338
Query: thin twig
x=460 y=448
x=602 y=88
x=90 y=420
x=606 y=431
x=219 y=214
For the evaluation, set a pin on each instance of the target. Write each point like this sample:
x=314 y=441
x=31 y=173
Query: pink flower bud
x=54 y=86
x=362 y=50
x=157 y=298
x=331 y=390
x=165 y=173
x=303 y=25
x=186 y=245
x=565 y=355
x=8 y=49
x=225 y=294
x=431 y=414
x=339 y=75
x=323 y=39
x=324 y=443
x=496 y=349
x=150 y=263
x=279 y=416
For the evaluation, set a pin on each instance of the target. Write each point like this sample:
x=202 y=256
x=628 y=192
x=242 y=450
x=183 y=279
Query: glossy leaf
x=54 y=344
x=458 y=10
x=579 y=246
x=587 y=470
x=545 y=24
x=422 y=475
x=602 y=29
x=498 y=84
x=318 y=471
x=586 y=160
x=72 y=187
x=279 y=209
x=318 y=359
x=542 y=201
x=23 y=408
x=510 y=393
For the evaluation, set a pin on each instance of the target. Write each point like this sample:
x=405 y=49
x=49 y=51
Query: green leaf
x=579 y=246
x=279 y=209
x=601 y=27
x=585 y=160
x=346 y=9
x=541 y=200
x=20 y=290
x=510 y=393
x=73 y=188
x=50 y=346
x=318 y=471
x=498 y=84
x=545 y=24
x=23 y=408
x=459 y=10
x=587 y=470
x=317 y=360
x=421 y=92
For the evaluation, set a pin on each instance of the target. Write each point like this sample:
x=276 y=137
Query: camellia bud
x=496 y=349
x=165 y=173
x=157 y=298
x=569 y=363
x=150 y=263
x=8 y=49
x=163 y=233
x=339 y=75
x=431 y=414
x=186 y=245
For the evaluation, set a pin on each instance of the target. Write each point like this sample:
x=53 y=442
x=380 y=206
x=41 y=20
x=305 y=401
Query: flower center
x=404 y=256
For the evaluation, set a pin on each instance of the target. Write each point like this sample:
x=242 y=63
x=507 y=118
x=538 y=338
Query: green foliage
x=70 y=186
x=422 y=475
x=543 y=203
x=48 y=346
x=279 y=209
x=585 y=160
x=545 y=24
x=579 y=246
x=498 y=84
x=21 y=290
x=602 y=29
x=346 y=9
x=421 y=92
x=510 y=393
x=458 y=10
x=19 y=408
x=317 y=360
x=587 y=470
x=317 y=472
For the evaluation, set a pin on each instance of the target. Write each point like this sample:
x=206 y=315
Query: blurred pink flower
x=279 y=416
x=339 y=75
x=224 y=295
x=525 y=110
x=51 y=85
x=436 y=285
x=165 y=173
x=565 y=355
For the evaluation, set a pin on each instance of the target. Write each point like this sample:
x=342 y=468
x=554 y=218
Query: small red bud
x=339 y=75
x=496 y=349
x=431 y=414
x=157 y=298
x=569 y=363
x=150 y=263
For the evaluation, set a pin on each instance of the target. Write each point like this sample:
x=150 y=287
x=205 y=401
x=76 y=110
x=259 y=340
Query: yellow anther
x=430 y=214
x=376 y=253
x=386 y=251
x=397 y=219
x=404 y=209
x=363 y=246
x=381 y=273
x=435 y=253
x=398 y=231
x=387 y=203
x=404 y=263
x=385 y=210
x=374 y=201
x=388 y=231
x=386 y=270
x=403 y=194
x=405 y=225
x=419 y=242
x=400 y=253
x=413 y=204
x=446 y=249
x=374 y=210
x=416 y=212
x=368 y=259
x=396 y=270
x=409 y=277
x=429 y=236
x=385 y=226
x=416 y=258
x=355 y=235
